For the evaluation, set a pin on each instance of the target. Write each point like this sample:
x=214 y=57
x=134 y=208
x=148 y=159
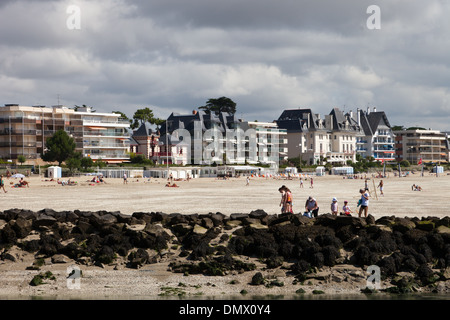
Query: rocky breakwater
x=413 y=254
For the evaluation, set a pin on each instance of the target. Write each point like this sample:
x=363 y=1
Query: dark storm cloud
x=265 y=55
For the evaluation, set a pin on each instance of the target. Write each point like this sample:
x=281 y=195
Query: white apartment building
x=430 y=146
x=24 y=131
x=376 y=138
x=315 y=139
x=214 y=138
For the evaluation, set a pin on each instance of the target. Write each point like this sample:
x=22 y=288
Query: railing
x=106 y=134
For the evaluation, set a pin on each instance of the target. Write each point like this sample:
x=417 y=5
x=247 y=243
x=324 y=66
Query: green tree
x=86 y=163
x=59 y=147
x=21 y=159
x=141 y=116
x=100 y=163
x=73 y=163
x=158 y=122
x=222 y=104
x=123 y=116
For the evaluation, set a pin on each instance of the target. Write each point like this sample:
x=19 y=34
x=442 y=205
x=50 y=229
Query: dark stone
x=8 y=235
x=238 y=216
x=257 y=279
x=22 y=227
x=105 y=255
x=138 y=259
x=44 y=221
x=258 y=214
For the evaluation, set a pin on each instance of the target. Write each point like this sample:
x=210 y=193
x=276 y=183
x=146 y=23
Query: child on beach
x=334 y=207
x=346 y=209
x=286 y=199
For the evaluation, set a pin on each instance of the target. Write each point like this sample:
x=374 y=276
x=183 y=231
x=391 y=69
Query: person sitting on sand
x=23 y=183
x=346 y=209
x=172 y=185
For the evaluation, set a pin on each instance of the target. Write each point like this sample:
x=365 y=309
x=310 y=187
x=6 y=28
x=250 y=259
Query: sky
x=265 y=55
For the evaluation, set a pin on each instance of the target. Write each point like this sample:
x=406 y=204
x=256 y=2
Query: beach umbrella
x=18 y=175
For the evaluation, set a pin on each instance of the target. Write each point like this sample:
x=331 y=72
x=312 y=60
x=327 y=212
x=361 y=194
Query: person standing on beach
x=125 y=178
x=364 y=202
x=283 y=199
x=312 y=183
x=301 y=182
x=248 y=181
x=380 y=185
x=334 y=207
x=2 y=184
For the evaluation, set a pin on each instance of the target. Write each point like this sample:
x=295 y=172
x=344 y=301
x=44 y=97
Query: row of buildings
x=202 y=138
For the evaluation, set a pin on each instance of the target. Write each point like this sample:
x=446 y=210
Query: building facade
x=24 y=131
x=430 y=146
x=315 y=139
x=205 y=139
x=376 y=138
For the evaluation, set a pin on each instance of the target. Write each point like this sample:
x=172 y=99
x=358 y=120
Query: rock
x=138 y=258
x=258 y=226
x=22 y=227
x=44 y=221
x=426 y=225
x=199 y=229
x=349 y=220
x=258 y=214
x=238 y=216
x=403 y=225
x=2 y=223
x=233 y=223
x=443 y=229
x=59 y=258
x=257 y=279
x=207 y=223
x=181 y=229
x=387 y=221
x=326 y=220
x=370 y=220
x=300 y=219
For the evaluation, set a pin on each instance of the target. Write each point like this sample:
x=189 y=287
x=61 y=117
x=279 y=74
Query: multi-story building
x=222 y=138
x=376 y=138
x=146 y=141
x=24 y=131
x=315 y=139
x=430 y=146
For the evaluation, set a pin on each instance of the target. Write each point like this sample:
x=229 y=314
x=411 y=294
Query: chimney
x=368 y=110
x=351 y=114
x=358 y=116
x=194 y=112
x=374 y=109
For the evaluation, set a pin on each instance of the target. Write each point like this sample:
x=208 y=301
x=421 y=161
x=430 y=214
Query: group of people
x=416 y=187
x=312 y=206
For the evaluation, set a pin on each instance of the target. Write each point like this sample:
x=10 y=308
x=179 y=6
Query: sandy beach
x=206 y=195
x=200 y=196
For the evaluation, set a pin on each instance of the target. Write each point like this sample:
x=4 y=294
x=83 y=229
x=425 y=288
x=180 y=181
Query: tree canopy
x=59 y=147
x=222 y=104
